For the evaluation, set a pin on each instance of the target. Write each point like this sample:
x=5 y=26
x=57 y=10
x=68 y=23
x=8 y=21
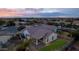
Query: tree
x=23 y=45
x=51 y=23
x=2 y=22
x=10 y=23
x=75 y=34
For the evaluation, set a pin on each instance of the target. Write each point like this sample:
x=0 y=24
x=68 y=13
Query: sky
x=39 y=12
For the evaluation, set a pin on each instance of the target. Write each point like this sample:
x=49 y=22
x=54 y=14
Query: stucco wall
x=51 y=37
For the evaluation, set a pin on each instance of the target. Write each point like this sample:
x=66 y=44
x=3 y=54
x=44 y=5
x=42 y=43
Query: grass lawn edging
x=55 y=45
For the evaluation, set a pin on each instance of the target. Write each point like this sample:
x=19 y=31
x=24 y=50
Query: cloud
x=36 y=11
x=48 y=10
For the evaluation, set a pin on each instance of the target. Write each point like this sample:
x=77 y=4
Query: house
x=4 y=39
x=6 y=33
x=8 y=30
x=76 y=22
x=40 y=33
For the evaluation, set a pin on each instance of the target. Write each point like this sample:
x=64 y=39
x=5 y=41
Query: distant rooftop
x=8 y=30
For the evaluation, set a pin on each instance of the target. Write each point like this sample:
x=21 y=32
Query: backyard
x=59 y=43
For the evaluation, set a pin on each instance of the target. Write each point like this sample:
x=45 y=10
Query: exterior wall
x=25 y=34
x=4 y=39
x=45 y=41
x=28 y=37
x=51 y=37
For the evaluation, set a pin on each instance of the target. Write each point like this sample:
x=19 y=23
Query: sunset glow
x=42 y=12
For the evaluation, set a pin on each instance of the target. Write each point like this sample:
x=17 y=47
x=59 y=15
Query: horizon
x=39 y=12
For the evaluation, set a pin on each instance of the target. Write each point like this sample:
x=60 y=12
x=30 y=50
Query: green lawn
x=59 y=43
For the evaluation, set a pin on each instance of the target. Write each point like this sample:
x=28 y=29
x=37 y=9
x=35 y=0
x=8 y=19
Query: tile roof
x=8 y=30
x=39 y=31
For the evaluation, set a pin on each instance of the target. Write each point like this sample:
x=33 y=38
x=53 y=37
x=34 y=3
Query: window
x=52 y=38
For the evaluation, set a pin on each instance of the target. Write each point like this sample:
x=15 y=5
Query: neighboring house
x=4 y=39
x=41 y=33
x=8 y=30
x=76 y=22
x=6 y=33
x=18 y=23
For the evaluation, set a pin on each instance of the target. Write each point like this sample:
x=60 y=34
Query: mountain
x=52 y=14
